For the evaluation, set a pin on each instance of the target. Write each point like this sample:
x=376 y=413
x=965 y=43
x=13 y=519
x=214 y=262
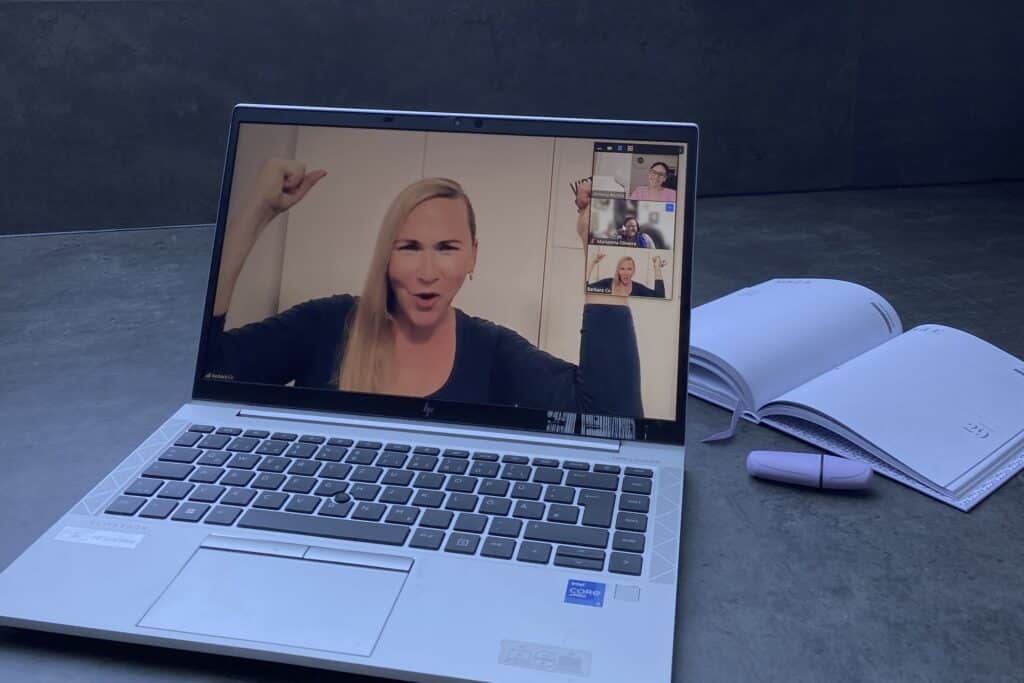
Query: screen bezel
x=433 y=411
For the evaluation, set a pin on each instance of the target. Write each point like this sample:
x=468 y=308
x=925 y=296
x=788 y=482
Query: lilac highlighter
x=809 y=469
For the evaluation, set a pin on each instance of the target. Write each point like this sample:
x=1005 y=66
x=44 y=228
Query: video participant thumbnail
x=627 y=272
x=628 y=223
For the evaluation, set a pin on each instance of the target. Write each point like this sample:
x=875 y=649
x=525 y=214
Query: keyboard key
x=237 y=478
x=389 y=459
x=204 y=429
x=299 y=485
x=332 y=454
x=335 y=470
x=327 y=527
x=361 y=456
x=586 y=553
x=334 y=508
x=175 y=490
x=284 y=436
x=547 y=475
x=426 y=450
x=437 y=519
x=168 y=470
x=455 y=453
x=560 y=494
x=330 y=487
x=366 y=473
x=501 y=548
x=489 y=457
x=538 y=553
x=626 y=563
x=545 y=462
x=526 y=491
x=423 y=463
x=244 y=461
x=371 y=445
x=461 y=484
x=306 y=468
x=493 y=487
x=125 y=505
x=516 y=472
x=598 y=507
x=528 y=510
x=563 y=559
x=453 y=466
x=484 y=469
x=207 y=493
x=364 y=491
x=272 y=448
x=230 y=431
x=274 y=464
x=302 y=504
x=206 y=475
x=270 y=481
x=371 y=512
x=636 y=485
x=428 y=539
x=396 y=494
x=632 y=502
x=575 y=465
x=158 y=509
x=430 y=499
x=270 y=500
x=143 y=487
x=242 y=444
x=592 y=480
x=301 y=450
x=565 y=514
x=608 y=469
x=344 y=443
x=464 y=544
x=190 y=512
x=471 y=523
x=213 y=458
x=401 y=514
x=312 y=438
x=516 y=459
x=627 y=542
x=639 y=472
x=398 y=447
x=565 y=534
x=462 y=502
x=256 y=433
x=238 y=496
x=503 y=526
x=631 y=521
x=429 y=480
x=495 y=506
x=178 y=454
x=341 y=497
x=214 y=441
x=222 y=515
x=397 y=477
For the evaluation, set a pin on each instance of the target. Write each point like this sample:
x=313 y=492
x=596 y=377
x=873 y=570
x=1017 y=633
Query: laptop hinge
x=439 y=429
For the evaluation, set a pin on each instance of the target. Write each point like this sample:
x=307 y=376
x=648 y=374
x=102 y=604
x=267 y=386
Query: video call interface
x=348 y=254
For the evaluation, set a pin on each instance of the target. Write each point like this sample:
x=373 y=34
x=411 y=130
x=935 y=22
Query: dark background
x=114 y=114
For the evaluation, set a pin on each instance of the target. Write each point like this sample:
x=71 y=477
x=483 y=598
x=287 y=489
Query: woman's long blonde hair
x=363 y=357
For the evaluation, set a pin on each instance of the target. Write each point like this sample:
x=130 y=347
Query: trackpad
x=280 y=600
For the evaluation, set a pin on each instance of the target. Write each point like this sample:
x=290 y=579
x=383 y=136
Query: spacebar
x=349 y=530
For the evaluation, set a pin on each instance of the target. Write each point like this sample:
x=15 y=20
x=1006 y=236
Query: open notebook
x=828 y=362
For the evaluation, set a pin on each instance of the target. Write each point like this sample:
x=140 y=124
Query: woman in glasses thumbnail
x=655 y=190
x=403 y=336
x=622 y=283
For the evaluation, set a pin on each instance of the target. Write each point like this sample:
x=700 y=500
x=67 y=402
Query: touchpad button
x=279 y=600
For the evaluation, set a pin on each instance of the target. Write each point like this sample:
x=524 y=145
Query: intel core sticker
x=584 y=593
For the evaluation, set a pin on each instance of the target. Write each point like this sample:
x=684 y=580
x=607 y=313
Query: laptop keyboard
x=536 y=510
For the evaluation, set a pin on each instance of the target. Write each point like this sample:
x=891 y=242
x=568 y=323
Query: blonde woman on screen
x=622 y=283
x=403 y=336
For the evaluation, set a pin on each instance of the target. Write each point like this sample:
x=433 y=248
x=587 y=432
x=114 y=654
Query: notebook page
x=781 y=333
x=942 y=402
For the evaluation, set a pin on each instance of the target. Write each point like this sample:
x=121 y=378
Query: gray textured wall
x=114 y=114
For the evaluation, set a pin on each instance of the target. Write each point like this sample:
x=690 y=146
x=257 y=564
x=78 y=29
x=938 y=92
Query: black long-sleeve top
x=493 y=364
x=605 y=287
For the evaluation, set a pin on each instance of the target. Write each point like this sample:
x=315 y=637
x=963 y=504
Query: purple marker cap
x=809 y=469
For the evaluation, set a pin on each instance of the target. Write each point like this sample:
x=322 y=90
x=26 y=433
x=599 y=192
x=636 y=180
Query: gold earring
x=471 y=275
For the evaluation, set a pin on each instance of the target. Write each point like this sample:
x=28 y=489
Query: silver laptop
x=436 y=429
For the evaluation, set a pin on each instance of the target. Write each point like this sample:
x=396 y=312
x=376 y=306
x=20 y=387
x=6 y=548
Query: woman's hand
x=658 y=264
x=281 y=184
x=581 y=197
x=594 y=260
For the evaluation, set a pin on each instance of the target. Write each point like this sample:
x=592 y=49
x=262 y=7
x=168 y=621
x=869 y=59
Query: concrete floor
x=98 y=333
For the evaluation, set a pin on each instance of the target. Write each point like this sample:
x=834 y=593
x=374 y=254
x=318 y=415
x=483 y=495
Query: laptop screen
x=503 y=274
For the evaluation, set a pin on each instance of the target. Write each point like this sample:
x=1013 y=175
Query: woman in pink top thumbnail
x=655 y=191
